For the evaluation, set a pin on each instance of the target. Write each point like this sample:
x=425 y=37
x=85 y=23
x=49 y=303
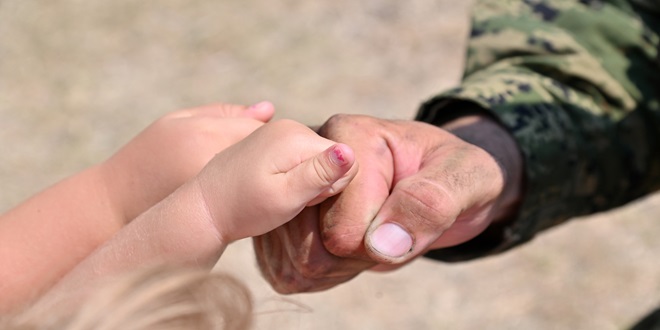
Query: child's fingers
x=262 y=111
x=323 y=175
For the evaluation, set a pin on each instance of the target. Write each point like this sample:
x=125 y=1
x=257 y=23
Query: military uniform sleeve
x=577 y=84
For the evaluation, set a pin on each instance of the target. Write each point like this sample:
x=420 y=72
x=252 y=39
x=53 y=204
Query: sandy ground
x=80 y=78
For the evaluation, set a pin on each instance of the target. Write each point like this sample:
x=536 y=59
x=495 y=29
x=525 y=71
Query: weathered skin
x=577 y=84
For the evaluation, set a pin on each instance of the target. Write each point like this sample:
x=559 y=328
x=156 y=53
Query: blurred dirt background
x=79 y=78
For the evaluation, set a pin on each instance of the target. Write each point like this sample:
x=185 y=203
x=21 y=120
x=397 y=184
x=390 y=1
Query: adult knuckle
x=338 y=125
x=343 y=241
x=342 y=228
x=428 y=205
x=337 y=120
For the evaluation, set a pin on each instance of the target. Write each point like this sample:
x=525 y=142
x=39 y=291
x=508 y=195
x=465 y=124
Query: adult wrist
x=477 y=127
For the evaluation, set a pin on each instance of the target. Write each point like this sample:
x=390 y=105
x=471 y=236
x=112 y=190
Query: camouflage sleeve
x=577 y=84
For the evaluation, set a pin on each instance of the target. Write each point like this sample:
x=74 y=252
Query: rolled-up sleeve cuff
x=542 y=130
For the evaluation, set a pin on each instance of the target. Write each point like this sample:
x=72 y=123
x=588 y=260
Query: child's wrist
x=117 y=195
x=201 y=200
x=195 y=216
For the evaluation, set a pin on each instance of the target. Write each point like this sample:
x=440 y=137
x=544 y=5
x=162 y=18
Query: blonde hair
x=152 y=298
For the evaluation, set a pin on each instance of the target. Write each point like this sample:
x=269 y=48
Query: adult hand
x=419 y=188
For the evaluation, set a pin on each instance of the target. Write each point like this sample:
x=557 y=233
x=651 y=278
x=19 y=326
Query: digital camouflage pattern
x=577 y=83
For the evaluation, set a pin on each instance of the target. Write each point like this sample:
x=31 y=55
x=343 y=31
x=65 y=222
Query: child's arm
x=249 y=189
x=46 y=236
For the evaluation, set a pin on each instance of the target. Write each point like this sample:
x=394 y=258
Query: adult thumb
x=324 y=175
x=414 y=216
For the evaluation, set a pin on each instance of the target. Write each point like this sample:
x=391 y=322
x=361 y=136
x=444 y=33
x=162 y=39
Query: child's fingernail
x=391 y=240
x=261 y=105
x=337 y=156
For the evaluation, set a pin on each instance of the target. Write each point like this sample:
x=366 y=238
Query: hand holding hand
x=266 y=179
x=248 y=189
x=419 y=188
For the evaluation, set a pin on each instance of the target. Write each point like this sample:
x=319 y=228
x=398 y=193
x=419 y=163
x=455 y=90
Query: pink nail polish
x=337 y=156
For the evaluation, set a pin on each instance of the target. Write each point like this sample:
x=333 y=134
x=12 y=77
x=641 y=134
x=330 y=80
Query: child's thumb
x=323 y=175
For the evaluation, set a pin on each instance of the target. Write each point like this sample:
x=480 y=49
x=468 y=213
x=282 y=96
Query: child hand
x=47 y=235
x=266 y=179
x=174 y=149
x=249 y=189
